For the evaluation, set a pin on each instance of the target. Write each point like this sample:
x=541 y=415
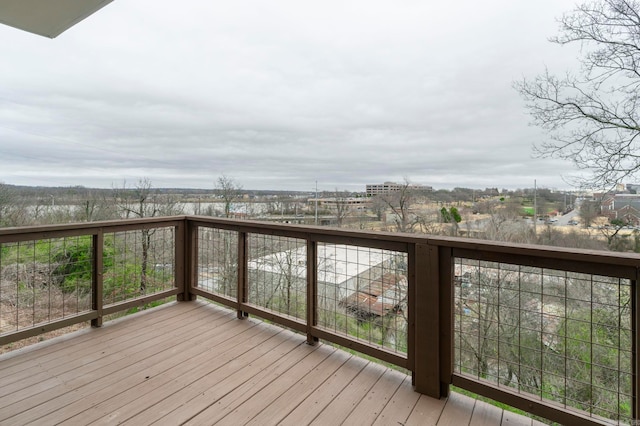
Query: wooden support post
x=186 y=259
x=446 y=294
x=243 y=280
x=411 y=307
x=97 y=291
x=312 y=290
x=430 y=333
x=635 y=341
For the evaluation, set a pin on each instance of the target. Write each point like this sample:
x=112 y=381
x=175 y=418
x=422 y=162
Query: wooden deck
x=194 y=363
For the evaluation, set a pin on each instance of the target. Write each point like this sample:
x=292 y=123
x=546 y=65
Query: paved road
x=564 y=219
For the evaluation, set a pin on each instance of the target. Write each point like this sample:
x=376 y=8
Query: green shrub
x=75 y=262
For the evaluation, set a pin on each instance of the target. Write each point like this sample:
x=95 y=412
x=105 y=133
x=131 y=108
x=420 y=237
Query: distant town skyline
x=281 y=95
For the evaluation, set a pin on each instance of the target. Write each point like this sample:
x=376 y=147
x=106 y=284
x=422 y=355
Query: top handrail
x=324 y=233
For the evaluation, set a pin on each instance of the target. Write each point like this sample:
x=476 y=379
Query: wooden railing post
x=433 y=325
x=635 y=341
x=97 y=293
x=446 y=294
x=312 y=290
x=243 y=279
x=186 y=259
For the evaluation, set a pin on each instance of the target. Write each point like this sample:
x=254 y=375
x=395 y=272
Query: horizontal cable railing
x=137 y=263
x=44 y=281
x=546 y=333
x=56 y=276
x=350 y=289
x=551 y=331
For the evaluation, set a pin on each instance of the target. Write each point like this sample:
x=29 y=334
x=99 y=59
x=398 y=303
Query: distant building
x=341 y=270
x=385 y=296
x=351 y=203
x=390 y=187
x=624 y=207
x=633 y=188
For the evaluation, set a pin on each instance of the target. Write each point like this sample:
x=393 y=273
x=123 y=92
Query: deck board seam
x=203 y=353
x=58 y=344
x=264 y=370
x=145 y=358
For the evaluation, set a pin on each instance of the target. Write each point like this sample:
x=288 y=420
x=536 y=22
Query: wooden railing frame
x=635 y=341
x=96 y=278
x=312 y=236
x=242 y=289
x=96 y=231
x=430 y=293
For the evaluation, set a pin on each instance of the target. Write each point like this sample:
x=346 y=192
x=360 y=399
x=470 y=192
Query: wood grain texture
x=194 y=363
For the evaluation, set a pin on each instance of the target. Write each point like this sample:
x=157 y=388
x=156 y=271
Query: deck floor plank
x=270 y=393
x=103 y=349
x=457 y=411
x=485 y=414
x=317 y=401
x=427 y=411
x=138 y=361
x=398 y=409
x=221 y=403
x=148 y=392
x=194 y=363
x=294 y=395
x=513 y=419
x=191 y=396
x=25 y=356
x=342 y=406
x=370 y=407
x=156 y=365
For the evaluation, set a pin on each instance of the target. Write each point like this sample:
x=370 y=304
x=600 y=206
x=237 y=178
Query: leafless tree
x=230 y=192
x=593 y=116
x=589 y=211
x=95 y=205
x=427 y=222
x=6 y=201
x=342 y=206
x=14 y=210
x=144 y=201
x=279 y=205
x=400 y=202
x=378 y=206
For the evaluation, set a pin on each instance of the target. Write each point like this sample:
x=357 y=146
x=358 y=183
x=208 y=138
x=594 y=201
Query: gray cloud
x=280 y=94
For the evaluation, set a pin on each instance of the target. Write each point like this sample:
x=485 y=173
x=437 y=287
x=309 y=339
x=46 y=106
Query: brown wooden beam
x=138 y=301
x=45 y=328
x=243 y=276
x=425 y=266
x=446 y=319
x=312 y=290
x=223 y=300
x=97 y=272
x=635 y=342
x=349 y=342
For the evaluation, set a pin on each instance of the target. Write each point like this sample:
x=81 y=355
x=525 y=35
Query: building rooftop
x=343 y=262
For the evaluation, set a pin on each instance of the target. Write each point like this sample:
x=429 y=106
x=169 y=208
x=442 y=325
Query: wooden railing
x=547 y=330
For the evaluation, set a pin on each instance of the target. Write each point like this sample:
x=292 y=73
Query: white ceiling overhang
x=47 y=18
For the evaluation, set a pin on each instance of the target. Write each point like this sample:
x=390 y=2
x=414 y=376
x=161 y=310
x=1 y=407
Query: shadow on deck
x=195 y=363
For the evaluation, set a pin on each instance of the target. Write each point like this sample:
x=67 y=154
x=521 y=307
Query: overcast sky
x=280 y=94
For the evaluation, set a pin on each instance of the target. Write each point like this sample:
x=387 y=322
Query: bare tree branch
x=230 y=192
x=593 y=118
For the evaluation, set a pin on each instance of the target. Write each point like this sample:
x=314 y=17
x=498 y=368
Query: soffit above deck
x=48 y=18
